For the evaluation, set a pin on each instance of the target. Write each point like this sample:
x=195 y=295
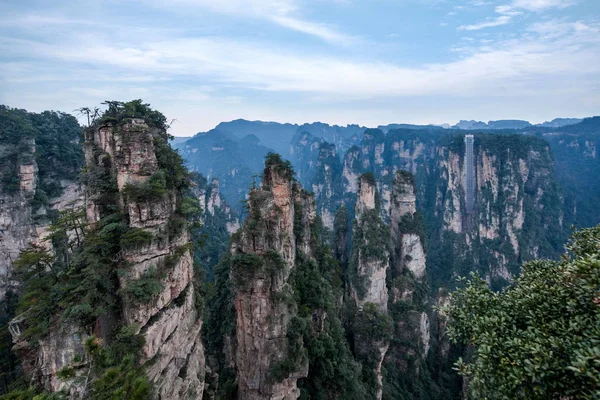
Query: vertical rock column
x=262 y=258
x=16 y=225
x=327 y=183
x=409 y=289
x=170 y=323
x=470 y=173
x=369 y=267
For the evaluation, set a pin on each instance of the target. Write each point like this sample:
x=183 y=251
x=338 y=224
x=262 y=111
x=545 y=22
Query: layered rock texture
x=409 y=305
x=286 y=316
x=518 y=204
x=369 y=267
x=326 y=184
x=263 y=255
x=35 y=179
x=135 y=259
x=370 y=251
x=17 y=229
x=213 y=203
x=170 y=322
x=518 y=207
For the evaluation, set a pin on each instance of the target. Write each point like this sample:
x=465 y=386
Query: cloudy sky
x=339 y=61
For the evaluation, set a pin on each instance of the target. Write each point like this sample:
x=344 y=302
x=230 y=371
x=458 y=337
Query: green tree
x=538 y=338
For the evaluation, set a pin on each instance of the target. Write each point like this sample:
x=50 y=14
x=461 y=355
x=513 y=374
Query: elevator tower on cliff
x=470 y=173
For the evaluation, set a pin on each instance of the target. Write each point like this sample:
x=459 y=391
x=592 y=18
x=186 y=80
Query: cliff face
x=304 y=151
x=214 y=204
x=124 y=292
x=517 y=212
x=406 y=228
x=352 y=168
x=39 y=161
x=369 y=267
x=16 y=225
x=409 y=308
x=518 y=205
x=371 y=256
x=326 y=184
x=263 y=255
x=232 y=160
x=575 y=151
x=170 y=322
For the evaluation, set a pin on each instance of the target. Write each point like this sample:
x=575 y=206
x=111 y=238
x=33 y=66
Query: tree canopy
x=538 y=338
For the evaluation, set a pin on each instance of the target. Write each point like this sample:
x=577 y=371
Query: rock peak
x=367 y=192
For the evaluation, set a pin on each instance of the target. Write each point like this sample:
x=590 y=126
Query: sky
x=368 y=62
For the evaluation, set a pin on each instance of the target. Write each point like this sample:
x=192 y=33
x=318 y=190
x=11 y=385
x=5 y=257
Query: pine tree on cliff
x=121 y=291
x=279 y=264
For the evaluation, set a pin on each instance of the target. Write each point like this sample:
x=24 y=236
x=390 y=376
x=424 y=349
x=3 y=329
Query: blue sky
x=338 y=61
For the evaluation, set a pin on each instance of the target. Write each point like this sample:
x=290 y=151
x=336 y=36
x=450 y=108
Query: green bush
x=244 y=267
x=281 y=167
x=538 y=338
x=152 y=189
x=144 y=289
x=123 y=381
x=135 y=238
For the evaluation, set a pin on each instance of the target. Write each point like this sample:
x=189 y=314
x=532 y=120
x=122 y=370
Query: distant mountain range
x=234 y=151
x=277 y=136
x=514 y=124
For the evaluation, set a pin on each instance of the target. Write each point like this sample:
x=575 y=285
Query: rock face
x=369 y=266
x=406 y=239
x=517 y=211
x=129 y=155
x=370 y=244
x=408 y=283
x=326 y=184
x=18 y=225
x=515 y=192
x=304 y=151
x=16 y=228
x=170 y=322
x=575 y=152
x=63 y=348
x=215 y=204
x=263 y=255
x=232 y=160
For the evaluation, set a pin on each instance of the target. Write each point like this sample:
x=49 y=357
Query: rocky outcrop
x=407 y=230
x=304 y=152
x=263 y=255
x=369 y=267
x=16 y=231
x=327 y=185
x=351 y=170
x=170 y=322
x=215 y=204
x=517 y=203
x=409 y=306
x=371 y=256
x=21 y=225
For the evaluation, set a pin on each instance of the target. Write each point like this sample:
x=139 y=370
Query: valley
x=143 y=266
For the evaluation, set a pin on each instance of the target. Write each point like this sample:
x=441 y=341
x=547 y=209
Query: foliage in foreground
x=540 y=337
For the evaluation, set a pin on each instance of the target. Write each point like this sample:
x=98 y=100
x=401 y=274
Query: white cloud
x=548 y=49
x=490 y=23
x=551 y=64
x=540 y=5
x=508 y=11
x=281 y=12
x=319 y=30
